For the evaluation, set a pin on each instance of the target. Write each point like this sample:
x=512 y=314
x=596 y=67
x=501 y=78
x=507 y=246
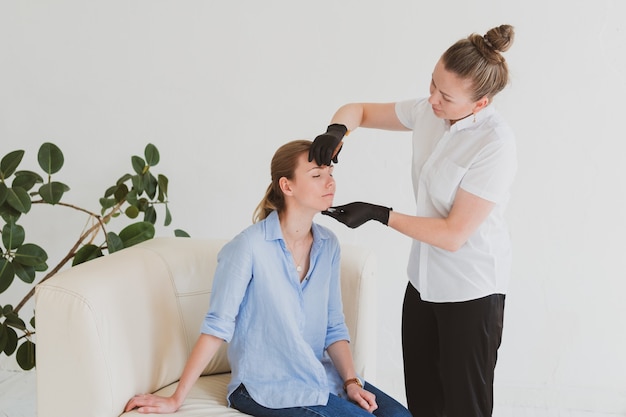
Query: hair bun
x=500 y=38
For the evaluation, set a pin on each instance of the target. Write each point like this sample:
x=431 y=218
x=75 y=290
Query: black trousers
x=450 y=352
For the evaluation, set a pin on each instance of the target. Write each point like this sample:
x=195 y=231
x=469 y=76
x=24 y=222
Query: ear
x=480 y=104
x=285 y=186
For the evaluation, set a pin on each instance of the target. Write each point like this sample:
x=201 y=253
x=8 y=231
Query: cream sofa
x=125 y=324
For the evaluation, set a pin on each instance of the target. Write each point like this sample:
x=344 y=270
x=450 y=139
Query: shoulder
x=246 y=239
x=414 y=105
x=409 y=112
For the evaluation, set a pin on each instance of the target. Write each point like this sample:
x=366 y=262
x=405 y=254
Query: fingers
x=322 y=156
x=148 y=403
x=328 y=155
x=336 y=152
x=314 y=154
x=366 y=400
x=334 y=213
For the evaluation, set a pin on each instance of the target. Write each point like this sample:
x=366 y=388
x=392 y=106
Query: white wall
x=219 y=85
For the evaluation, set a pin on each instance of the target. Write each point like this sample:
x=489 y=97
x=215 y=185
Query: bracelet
x=352 y=381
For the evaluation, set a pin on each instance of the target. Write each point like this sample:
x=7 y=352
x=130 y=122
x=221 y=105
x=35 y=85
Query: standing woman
x=464 y=162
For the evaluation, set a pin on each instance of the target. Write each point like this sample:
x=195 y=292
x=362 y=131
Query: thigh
x=241 y=400
x=387 y=405
x=470 y=335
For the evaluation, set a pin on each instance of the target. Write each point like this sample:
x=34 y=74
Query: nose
x=330 y=183
x=433 y=98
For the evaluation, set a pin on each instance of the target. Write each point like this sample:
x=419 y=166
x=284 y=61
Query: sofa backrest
x=125 y=323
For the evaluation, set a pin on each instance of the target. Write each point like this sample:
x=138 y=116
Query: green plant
x=132 y=195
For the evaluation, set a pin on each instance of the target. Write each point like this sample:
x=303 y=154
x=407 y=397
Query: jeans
x=336 y=406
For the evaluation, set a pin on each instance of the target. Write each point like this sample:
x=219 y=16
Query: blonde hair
x=283 y=164
x=479 y=59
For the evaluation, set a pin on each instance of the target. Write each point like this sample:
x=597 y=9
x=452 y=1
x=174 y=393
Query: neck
x=295 y=227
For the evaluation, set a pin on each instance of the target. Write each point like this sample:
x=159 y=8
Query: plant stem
x=72 y=252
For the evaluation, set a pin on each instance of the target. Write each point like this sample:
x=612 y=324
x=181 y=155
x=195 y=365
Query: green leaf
x=4 y=191
x=114 y=243
x=26 y=355
x=168 y=216
x=53 y=192
x=180 y=233
x=110 y=191
x=121 y=193
x=30 y=254
x=18 y=199
x=139 y=165
x=152 y=154
x=163 y=184
x=131 y=198
x=86 y=253
x=150 y=215
x=13 y=235
x=24 y=272
x=138 y=184
x=3 y=337
x=8 y=213
x=123 y=179
x=50 y=158
x=132 y=212
x=7 y=273
x=136 y=233
x=32 y=322
x=11 y=340
x=9 y=163
x=150 y=184
x=41 y=267
x=143 y=204
x=107 y=203
x=13 y=320
x=26 y=179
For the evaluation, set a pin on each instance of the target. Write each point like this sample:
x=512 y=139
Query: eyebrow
x=446 y=95
x=321 y=167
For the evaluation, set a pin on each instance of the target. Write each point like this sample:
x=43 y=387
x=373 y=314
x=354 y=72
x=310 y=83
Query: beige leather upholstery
x=125 y=323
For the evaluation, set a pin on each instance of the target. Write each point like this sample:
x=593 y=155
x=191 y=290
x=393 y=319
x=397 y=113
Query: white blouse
x=477 y=154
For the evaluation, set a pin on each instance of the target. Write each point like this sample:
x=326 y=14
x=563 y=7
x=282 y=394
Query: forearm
x=203 y=351
x=349 y=115
x=371 y=115
x=468 y=212
x=341 y=356
x=433 y=231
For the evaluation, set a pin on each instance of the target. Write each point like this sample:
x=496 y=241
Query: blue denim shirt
x=278 y=328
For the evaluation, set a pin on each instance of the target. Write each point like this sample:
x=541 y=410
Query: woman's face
x=450 y=96
x=312 y=186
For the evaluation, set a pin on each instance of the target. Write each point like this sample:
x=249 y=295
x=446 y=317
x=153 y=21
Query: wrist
x=337 y=129
x=352 y=381
x=384 y=213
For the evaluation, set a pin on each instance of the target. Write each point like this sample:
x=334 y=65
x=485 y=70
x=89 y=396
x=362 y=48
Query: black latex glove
x=355 y=214
x=325 y=144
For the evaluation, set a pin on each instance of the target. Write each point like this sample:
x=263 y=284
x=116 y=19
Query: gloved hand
x=323 y=147
x=355 y=214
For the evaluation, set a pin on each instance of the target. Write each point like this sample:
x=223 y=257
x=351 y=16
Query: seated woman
x=277 y=299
